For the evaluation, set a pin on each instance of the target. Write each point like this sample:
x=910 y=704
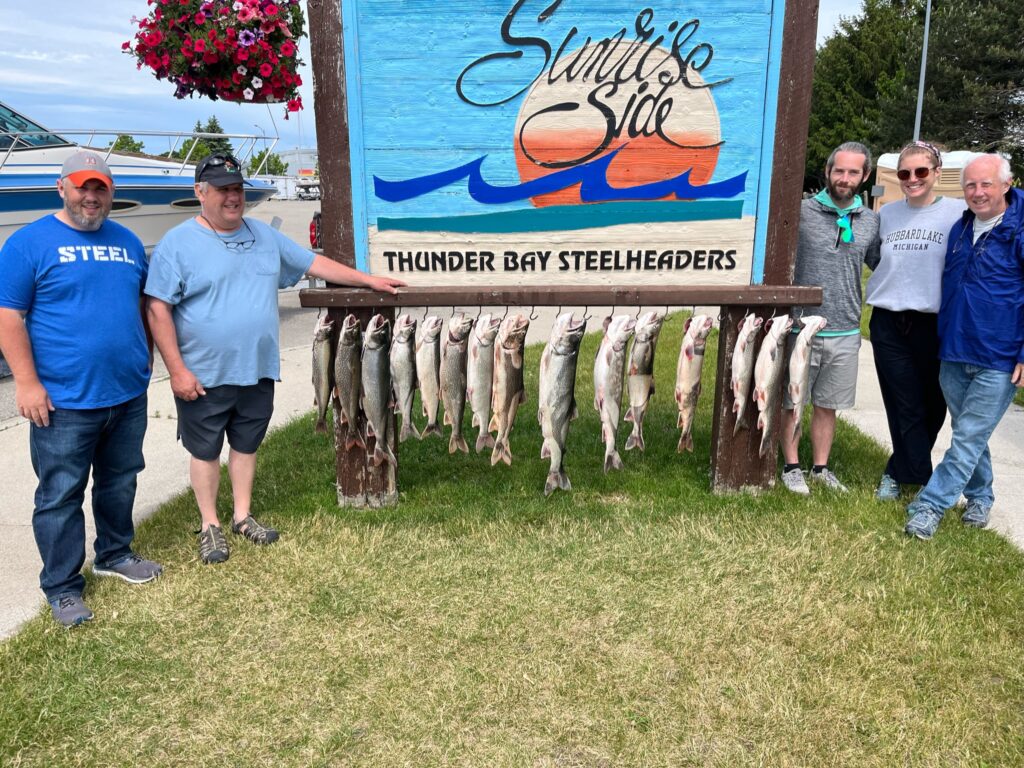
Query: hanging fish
x=454 y=354
x=800 y=365
x=608 y=379
x=556 y=405
x=428 y=372
x=640 y=378
x=771 y=359
x=480 y=376
x=376 y=401
x=322 y=374
x=348 y=380
x=743 y=369
x=688 y=372
x=403 y=373
x=508 y=390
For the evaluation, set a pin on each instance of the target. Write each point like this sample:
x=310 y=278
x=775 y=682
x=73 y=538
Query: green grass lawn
x=635 y=621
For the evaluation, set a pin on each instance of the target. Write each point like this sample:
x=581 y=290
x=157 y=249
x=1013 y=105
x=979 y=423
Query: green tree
x=866 y=76
x=204 y=146
x=275 y=166
x=125 y=143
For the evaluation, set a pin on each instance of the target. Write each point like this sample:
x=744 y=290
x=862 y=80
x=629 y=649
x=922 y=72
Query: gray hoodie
x=822 y=259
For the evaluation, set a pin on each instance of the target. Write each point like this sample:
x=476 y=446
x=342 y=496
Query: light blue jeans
x=977 y=398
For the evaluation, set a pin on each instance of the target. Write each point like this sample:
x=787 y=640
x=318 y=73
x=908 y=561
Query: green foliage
x=275 y=166
x=125 y=143
x=866 y=79
x=200 y=147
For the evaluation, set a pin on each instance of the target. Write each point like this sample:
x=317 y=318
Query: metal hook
x=479 y=311
x=425 y=310
x=586 y=316
x=533 y=313
x=638 y=311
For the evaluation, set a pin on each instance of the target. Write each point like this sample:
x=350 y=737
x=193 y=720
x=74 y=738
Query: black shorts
x=243 y=413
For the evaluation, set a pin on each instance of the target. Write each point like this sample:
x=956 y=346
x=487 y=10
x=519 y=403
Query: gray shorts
x=241 y=413
x=833 y=378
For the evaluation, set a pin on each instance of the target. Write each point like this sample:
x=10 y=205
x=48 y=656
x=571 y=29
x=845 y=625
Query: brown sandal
x=254 y=531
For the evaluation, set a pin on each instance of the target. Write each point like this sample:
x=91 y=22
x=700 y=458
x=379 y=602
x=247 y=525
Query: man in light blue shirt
x=212 y=308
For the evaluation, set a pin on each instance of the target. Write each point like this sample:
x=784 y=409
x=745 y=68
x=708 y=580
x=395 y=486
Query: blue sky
x=62 y=66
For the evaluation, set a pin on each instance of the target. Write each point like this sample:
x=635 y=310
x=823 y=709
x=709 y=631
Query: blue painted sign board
x=562 y=141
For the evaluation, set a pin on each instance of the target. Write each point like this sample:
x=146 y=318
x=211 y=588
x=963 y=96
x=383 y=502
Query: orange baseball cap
x=83 y=165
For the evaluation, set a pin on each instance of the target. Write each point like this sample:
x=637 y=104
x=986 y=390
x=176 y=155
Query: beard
x=840 y=194
x=84 y=222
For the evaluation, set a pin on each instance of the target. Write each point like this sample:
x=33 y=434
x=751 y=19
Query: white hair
x=1002 y=167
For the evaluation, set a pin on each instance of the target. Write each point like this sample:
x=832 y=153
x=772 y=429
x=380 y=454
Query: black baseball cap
x=220 y=170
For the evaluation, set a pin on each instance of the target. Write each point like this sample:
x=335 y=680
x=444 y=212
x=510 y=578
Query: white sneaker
x=794 y=481
x=829 y=480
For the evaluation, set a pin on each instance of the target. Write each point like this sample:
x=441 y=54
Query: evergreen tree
x=125 y=143
x=275 y=166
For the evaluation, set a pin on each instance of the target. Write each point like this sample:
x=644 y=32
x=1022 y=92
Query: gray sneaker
x=923 y=524
x=132 y=569
x=976 y=515
x=794 y=481
x=213 y=547
x=829 y=480
x=70 y=611
x=888 y=489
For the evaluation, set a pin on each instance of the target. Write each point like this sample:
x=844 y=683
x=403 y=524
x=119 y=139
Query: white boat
x=151 y=194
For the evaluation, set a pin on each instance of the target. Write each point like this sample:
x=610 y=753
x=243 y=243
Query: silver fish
x=771 y=360
x=480 y=376
x=323 y=374
x=348 y=380
x=377 y=402
x=403 y=373
x=454 y=354
x=743 y=368
x=608 y=379
x=800 y=365
x=507 y=391
x=556 y=402
x=428 y=372
x=688 y=371
x=640 y=379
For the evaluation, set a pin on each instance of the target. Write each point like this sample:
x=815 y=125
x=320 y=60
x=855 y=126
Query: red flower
x=242 y=54
x=287 y=48
x=199 y=46
x=200 y=17
x=266 y=70
x=212 y=34
x=271 y=10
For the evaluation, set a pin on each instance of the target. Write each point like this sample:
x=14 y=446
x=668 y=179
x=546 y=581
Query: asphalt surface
x=166 y=472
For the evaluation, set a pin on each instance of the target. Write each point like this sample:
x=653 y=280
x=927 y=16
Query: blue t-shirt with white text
x=80 y=292
x=225 y=298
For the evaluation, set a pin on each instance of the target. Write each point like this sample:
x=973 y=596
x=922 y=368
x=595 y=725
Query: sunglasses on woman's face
x=921 y=173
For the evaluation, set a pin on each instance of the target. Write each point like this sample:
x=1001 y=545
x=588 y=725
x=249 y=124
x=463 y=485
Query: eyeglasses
x=921 y=173
x=234 y=245
x=215 y=161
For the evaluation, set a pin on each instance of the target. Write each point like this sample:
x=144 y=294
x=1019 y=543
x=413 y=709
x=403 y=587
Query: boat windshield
x=23 y=133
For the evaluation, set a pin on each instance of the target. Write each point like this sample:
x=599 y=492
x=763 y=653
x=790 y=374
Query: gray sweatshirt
x=909 y=274
x=823 y=259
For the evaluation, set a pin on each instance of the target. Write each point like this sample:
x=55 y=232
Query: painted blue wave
x=592 y=178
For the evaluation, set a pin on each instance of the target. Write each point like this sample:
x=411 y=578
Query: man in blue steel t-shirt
x=72 y=331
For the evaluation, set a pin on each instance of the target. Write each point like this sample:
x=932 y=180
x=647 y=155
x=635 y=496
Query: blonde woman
x=905 y=291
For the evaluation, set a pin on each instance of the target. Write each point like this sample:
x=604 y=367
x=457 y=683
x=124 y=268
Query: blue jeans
x=977 y=398
x=109 y=442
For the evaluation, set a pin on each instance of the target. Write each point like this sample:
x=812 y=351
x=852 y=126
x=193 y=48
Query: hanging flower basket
x=235 y=50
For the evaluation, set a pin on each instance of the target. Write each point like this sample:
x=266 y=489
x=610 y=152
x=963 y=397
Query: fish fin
x=431 y=429
x=563 y=481
x=484 y=440
x=446 y=419
x=408 y=430
x=551 y=484
x=493 y=424
x=633 y=369
x=761 y=421
x=321 y=426
x=457 y=443
x=765 y=440
x=685 y=443
x=612 y=461
x=741 y=423
x=475 y=421
x=369 y=430
x=598 y=401
x=545 y=450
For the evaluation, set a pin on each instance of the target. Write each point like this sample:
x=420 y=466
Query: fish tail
x=501 y=452
x=552 y=483
x=321 y=424
x=685 y=443
x=612 y=461
x=765 y=440
x=484 y=440
x=742 y=422
x=457 y=443
x=635 y=439
x=563 y=481
x=431 y=429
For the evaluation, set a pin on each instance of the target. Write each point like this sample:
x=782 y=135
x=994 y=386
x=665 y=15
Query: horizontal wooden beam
x=566 y=296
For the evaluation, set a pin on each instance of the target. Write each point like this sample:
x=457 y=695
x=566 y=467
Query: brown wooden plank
x=567 y=296
x=735 y=462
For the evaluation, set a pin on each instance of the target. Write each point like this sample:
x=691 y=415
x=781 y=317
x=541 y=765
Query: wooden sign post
x=600 y=144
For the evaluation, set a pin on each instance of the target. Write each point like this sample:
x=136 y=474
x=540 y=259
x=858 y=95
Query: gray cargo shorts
x=833 y=378
x=240 y=412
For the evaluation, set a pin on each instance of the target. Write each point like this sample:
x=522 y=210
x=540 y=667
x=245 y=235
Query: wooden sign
x=598 y=142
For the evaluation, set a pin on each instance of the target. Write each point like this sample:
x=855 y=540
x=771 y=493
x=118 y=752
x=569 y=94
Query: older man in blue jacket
x=981 y=341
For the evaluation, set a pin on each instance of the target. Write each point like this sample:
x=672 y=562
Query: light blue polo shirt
x=225 y=298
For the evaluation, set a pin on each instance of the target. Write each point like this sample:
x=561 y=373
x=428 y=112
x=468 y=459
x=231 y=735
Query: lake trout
x=323 y=374
x=480 y=376
x=348 y=380
x=743 y=368
x=640 y=378
x=556 y=401
x=688 y=372
x=507 y=391
x=771 y=359
x=608 y=379
x=403 y=373
x=800 y=366
x=428 y=372
x=377 y=402
x=454 y=354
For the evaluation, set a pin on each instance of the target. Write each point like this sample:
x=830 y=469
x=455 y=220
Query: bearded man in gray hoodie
x=837 y=235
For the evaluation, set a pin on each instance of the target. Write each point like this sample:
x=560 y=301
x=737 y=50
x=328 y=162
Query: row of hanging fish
x=766 y=371
x=480 y=362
